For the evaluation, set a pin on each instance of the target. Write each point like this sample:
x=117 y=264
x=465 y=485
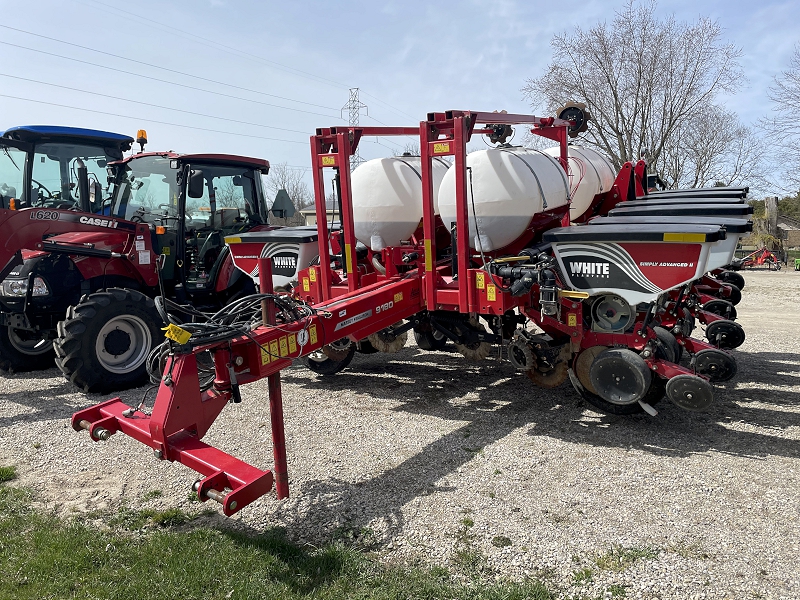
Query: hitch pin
x=212 y=494
x=100 y=433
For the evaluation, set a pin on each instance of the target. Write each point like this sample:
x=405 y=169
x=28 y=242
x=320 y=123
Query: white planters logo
x=590 y=269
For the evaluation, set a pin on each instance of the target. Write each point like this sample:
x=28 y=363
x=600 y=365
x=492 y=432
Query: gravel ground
x=420 y=455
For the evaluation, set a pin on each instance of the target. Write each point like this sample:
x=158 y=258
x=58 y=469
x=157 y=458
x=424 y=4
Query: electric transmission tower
x=354 y=107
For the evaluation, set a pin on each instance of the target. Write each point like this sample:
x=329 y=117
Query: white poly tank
x=387 y=199
x=592 y=174
x=508 y=187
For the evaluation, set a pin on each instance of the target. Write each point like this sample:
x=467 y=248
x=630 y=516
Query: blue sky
x=407 y=58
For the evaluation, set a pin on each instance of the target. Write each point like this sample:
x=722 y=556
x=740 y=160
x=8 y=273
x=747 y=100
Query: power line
x=183 y=85
x=104 y=53
x=146 y=120
x=387 y=104
x=236 y=51
x=188 y=112
x=228 y=49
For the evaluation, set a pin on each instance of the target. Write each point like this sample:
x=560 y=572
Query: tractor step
x=228 y=480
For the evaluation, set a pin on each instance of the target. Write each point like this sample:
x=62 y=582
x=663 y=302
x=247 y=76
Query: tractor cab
x=191 y=201
x=44 y=166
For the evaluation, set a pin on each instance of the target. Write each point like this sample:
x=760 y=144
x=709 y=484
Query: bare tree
x=283 y=177
x=647 y=82
x=784 y=126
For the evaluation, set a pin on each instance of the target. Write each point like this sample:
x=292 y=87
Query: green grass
x=7 y=473
x=44 y=556
x=582 y=575
x=619 y=558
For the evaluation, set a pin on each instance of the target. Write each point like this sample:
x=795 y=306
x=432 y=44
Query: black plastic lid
x=731 y=224
x=636 y=233
x=710 y=210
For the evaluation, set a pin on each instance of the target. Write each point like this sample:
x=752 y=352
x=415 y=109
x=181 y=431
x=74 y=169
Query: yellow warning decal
x=347 y=252
x=572 y=320
x=312 y=334
x=273 y=349
x=233 y=240
x=284 y=344
x=292 y=344
x=306 y=286
x=428 y=256
x=312 y=274
x=177 y=334
x=441 y=147
x=684 y=237
x=398 y=297
x=480 y=281
x=165 y=251
x=328 y=161
x=265 y=357
x=491 y=293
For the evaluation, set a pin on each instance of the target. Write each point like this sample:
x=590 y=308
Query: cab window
x=228 y=198
x=12 y=172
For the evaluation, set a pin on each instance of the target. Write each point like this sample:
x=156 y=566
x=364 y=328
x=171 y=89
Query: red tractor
x=89 y=279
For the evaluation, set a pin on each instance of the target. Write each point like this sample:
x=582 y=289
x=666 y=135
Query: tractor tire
x=103 y=344
x=20 y=353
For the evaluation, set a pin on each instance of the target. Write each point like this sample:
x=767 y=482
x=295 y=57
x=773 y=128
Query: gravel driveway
x=422 y=455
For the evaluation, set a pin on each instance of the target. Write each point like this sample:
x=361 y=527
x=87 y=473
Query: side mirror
x=196 y=184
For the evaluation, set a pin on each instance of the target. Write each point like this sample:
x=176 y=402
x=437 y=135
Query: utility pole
x=354 y=107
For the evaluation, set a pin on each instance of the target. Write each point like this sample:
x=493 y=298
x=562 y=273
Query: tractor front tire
x=103 y=344
x=21 y=352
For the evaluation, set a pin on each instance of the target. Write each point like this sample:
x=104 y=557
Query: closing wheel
x=620 y=376
x=690 y=392
x=549 y=379
x=432 y=339
x=720 y=307
x=725 y=334
x=717 y=365
x=322 y=364
x=731 y=277
x=22 y=350
x=387 y=341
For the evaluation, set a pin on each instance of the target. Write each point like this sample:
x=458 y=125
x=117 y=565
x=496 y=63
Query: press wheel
x=717 y=365
x=720 y=307
x=725 y=334
x=731 y=277
x=735 y=295
x=620 y=376
x=690 y=392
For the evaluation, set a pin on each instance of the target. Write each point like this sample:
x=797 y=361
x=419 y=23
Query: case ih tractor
x=46 y=166
x=89 y=282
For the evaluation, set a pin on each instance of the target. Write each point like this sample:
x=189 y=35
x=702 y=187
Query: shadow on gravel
x=435 y=384
x=52 y=397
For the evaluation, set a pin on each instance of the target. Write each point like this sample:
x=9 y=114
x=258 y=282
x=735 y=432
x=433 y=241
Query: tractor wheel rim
x=133 y=355
x=32 y=347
